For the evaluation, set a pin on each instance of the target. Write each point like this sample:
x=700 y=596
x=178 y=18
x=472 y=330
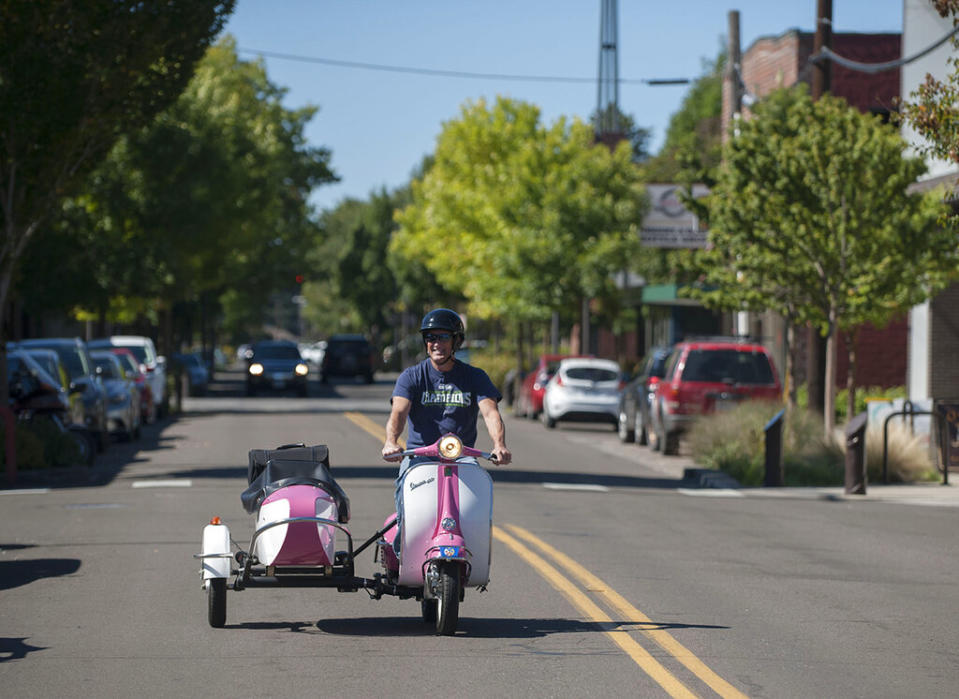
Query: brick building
x=782 y=61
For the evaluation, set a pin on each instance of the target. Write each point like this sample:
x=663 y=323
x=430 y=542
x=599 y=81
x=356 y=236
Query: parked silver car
x=153 y=365
x=584 y=390
x=123 y=399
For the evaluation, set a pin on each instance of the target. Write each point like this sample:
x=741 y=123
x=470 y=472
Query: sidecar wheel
x=216 y=597
x=448 y=600
x=428 y=607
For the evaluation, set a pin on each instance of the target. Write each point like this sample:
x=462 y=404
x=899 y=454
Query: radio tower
x=608 y=127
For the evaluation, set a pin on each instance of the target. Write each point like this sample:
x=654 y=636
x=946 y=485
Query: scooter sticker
x=450 y=551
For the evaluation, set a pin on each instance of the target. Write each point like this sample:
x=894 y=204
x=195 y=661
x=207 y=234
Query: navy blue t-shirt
x=443 y=402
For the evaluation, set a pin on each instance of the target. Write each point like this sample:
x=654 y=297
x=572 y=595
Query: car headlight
x=256 y=369
x=302 y=370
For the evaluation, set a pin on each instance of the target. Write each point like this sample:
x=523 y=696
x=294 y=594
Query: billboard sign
x=669 y=224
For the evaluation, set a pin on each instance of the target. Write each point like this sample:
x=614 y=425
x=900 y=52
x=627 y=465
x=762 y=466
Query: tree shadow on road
x=16 y=648
x=17 y=573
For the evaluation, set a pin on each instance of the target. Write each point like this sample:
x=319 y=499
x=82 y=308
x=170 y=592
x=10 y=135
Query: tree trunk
x=790 y=369
x=829 y=389
x=520 y=358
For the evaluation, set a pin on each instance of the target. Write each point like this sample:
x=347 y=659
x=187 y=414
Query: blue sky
x=379 y=124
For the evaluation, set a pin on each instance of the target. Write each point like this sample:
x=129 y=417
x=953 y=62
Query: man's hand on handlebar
x=501 y=456
x=392 y=451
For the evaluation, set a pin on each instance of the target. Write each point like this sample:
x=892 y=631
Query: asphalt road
x=609 y=577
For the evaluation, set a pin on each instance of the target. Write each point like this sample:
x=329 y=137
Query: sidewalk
x=683 y=467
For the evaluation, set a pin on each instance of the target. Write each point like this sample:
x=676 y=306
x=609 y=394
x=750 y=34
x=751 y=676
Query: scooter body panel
x=296 y=543
x=432 y=492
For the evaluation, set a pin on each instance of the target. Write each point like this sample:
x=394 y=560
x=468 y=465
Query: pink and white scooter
x=446 y=531
x=301 y=519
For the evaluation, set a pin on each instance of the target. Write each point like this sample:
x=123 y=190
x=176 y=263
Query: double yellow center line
x=510 y=537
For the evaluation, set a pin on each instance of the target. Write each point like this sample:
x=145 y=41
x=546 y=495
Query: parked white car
x=152 y=365
x=583 y=389
x=314 y=352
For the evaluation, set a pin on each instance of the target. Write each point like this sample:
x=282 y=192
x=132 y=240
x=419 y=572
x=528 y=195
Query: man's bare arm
x=394 y=427
x=496 y=429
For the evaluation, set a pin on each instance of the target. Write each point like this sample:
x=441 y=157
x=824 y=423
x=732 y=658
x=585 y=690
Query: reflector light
x=215 y=520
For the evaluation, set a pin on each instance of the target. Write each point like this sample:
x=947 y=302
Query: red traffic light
x=299 y=278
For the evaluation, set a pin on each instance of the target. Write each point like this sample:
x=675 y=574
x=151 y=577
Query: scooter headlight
x=302 y=370
x=256 y=369
x=450 y=447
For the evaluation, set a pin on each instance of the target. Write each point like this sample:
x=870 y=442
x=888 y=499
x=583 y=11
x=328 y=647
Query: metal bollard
x=775 y=477
x=856 y=455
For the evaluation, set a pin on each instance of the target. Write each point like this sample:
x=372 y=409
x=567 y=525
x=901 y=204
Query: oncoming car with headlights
x=276 y=365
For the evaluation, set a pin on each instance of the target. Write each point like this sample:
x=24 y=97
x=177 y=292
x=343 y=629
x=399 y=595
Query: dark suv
x=703 y=376
x=347 y=355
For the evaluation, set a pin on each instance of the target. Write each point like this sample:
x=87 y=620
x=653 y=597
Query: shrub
x=495 y=364
x=908 y=458
x=59 y=449
x=29 y=448
x=735 y=442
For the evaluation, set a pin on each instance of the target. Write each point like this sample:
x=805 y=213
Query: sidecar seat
x=294 y=464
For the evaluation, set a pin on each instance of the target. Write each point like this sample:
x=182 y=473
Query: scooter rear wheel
x=216 y=595
x=448 y=599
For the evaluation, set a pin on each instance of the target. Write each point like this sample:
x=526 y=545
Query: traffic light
x=299 y=278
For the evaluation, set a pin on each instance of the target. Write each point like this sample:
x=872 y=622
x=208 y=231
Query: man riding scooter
x=441 y=395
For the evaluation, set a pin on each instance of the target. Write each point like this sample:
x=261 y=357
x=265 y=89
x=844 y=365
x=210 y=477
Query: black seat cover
x=272 y=469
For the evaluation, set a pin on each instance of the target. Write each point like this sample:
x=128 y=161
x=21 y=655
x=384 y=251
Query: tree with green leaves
x=811 y=218
x=74 y=76
x=521 y=218
x=933 y=110
x=212 y=196
x=692 y=148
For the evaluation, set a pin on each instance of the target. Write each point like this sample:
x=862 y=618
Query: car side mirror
x=161 y=361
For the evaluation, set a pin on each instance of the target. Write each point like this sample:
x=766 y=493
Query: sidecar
x=301 y=515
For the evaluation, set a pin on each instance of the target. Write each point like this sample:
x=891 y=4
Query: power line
x=455 y=73
x=827 y=54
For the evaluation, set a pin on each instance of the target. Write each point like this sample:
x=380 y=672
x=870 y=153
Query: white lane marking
x=178 y=483
x=577 y=486
x=711 y=492
x=25 y=491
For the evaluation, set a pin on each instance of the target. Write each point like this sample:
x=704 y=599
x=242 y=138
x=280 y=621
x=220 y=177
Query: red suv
x=706 y=375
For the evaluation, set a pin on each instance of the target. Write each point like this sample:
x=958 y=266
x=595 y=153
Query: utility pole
x=608 y=128
x=816 y=357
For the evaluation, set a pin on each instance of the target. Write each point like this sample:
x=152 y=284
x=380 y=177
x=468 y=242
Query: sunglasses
x=438 y=337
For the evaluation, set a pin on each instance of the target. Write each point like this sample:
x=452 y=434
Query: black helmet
x=445 y=319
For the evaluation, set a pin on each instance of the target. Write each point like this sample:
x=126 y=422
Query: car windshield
x=591 y=373
x=48 y=363
x=139 y=351
x=73 y=360
x=728 y=366
x=276 y=352
x=129 y=363
x=108 y=370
